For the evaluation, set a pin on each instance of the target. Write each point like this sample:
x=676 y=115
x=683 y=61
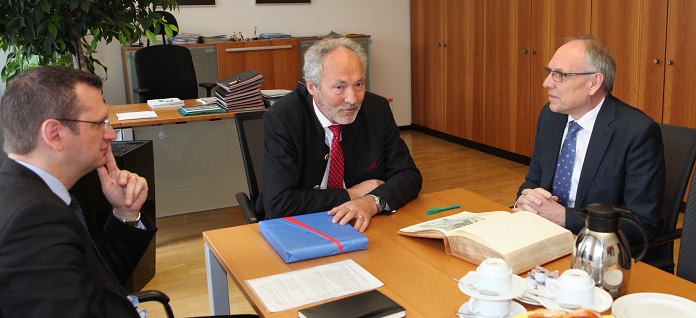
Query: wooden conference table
x=414 y=270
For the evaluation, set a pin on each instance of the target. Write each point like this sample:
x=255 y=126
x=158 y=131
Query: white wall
x=387 y=21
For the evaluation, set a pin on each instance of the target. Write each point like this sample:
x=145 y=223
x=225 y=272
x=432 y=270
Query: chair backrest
x=680 y=154
x=170 y=20
x=686 y=266
x=166 y=71
x=251 y=136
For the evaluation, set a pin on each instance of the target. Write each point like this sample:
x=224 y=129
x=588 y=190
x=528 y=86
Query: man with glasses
x=56 y=130
x=590 y=147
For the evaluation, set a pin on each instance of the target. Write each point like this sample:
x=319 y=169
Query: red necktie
x=336 y=159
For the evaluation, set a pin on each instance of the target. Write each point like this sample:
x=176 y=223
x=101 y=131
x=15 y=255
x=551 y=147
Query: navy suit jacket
x=624 y=164
x=48 y=264
x=296 y=155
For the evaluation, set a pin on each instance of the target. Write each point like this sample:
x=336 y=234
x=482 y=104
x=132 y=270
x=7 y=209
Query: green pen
x=436 y=210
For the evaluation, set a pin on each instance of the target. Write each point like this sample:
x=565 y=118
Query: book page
x=293 y=289
x=513 y=232
x=454 y=222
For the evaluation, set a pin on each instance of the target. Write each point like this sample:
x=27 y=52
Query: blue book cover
x=307 y=236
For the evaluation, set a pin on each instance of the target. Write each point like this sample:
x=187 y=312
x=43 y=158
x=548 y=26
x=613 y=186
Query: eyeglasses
x=558 y=76
x=104 y=124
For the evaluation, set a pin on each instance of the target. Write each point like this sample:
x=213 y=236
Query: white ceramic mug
x=489 y=308
x=574 y=287
x=493 y=274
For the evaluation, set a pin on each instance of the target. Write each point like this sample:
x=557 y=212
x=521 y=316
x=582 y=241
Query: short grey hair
x=599 y=58
x=315 y=55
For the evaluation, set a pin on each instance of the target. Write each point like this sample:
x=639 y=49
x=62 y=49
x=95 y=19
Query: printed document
x=137 y=115
x=288 y=290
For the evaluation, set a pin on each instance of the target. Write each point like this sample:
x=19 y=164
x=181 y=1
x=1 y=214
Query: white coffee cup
x=493 y=274
x=574 y=287
x=489 y=308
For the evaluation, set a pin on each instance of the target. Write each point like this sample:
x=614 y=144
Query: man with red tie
x=334 y=147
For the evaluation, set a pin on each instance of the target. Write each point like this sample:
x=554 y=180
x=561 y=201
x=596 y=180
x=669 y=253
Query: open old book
x=522 y=239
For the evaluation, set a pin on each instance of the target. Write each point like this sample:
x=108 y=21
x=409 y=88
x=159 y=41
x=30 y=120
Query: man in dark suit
x=56 y=130
x=377 y=173
x=618 y=156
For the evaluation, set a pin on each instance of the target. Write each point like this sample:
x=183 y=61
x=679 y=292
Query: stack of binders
x=240 y=91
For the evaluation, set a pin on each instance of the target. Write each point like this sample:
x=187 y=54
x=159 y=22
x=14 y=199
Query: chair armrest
x=155 y=295
x=208 y=87
x=665 y=238
x=141 y=92
x=247 y=207
x=659 y=240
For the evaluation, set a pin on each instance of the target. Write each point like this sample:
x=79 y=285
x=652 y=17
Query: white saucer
x=515 y=309
x=641 y=305
x=518 y=287
x=602 y=301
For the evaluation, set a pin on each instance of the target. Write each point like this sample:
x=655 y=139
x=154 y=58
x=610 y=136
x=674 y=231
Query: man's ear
x=311 y=88
x=51 y=132
x=596 y=83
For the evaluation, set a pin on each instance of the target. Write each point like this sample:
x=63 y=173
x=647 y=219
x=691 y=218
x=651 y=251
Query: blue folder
x=309 y=236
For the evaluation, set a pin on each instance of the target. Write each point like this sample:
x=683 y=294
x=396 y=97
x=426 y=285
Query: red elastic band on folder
x=295 y=221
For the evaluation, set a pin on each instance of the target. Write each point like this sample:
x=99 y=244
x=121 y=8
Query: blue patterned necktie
x=564 y=168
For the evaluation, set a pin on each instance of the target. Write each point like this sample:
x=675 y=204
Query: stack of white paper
x=165 y=102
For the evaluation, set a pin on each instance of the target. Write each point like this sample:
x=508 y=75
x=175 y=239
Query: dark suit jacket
x=624 y=164
x=295 y=157
x=48 y=265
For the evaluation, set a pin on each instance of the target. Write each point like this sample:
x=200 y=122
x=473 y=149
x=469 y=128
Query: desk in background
x=414 y=270
x=198 y=162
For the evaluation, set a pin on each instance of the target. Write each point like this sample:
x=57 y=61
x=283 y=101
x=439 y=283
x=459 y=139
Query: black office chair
x=165 y=71
x=250 y=132
x=680 y=154
x=686 y=267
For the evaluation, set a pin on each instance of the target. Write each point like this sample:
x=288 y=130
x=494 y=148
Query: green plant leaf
x=38 y=32
x=45 y=6
x=52 y=29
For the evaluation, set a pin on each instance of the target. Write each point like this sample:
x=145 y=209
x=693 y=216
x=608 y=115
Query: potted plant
x=66 y=32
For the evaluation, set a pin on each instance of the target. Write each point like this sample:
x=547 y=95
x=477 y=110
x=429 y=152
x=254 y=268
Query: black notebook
x=372 y=304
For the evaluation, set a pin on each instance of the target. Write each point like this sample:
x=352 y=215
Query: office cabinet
x=506 y=78
x=679 y=94
x=446 y=66
x=639 y=59
x=653 y=65
x=275 y=59
x=477 y=66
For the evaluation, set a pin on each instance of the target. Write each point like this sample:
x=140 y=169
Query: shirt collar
x=325 y=122
x=53 y=183
x=587 y=121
